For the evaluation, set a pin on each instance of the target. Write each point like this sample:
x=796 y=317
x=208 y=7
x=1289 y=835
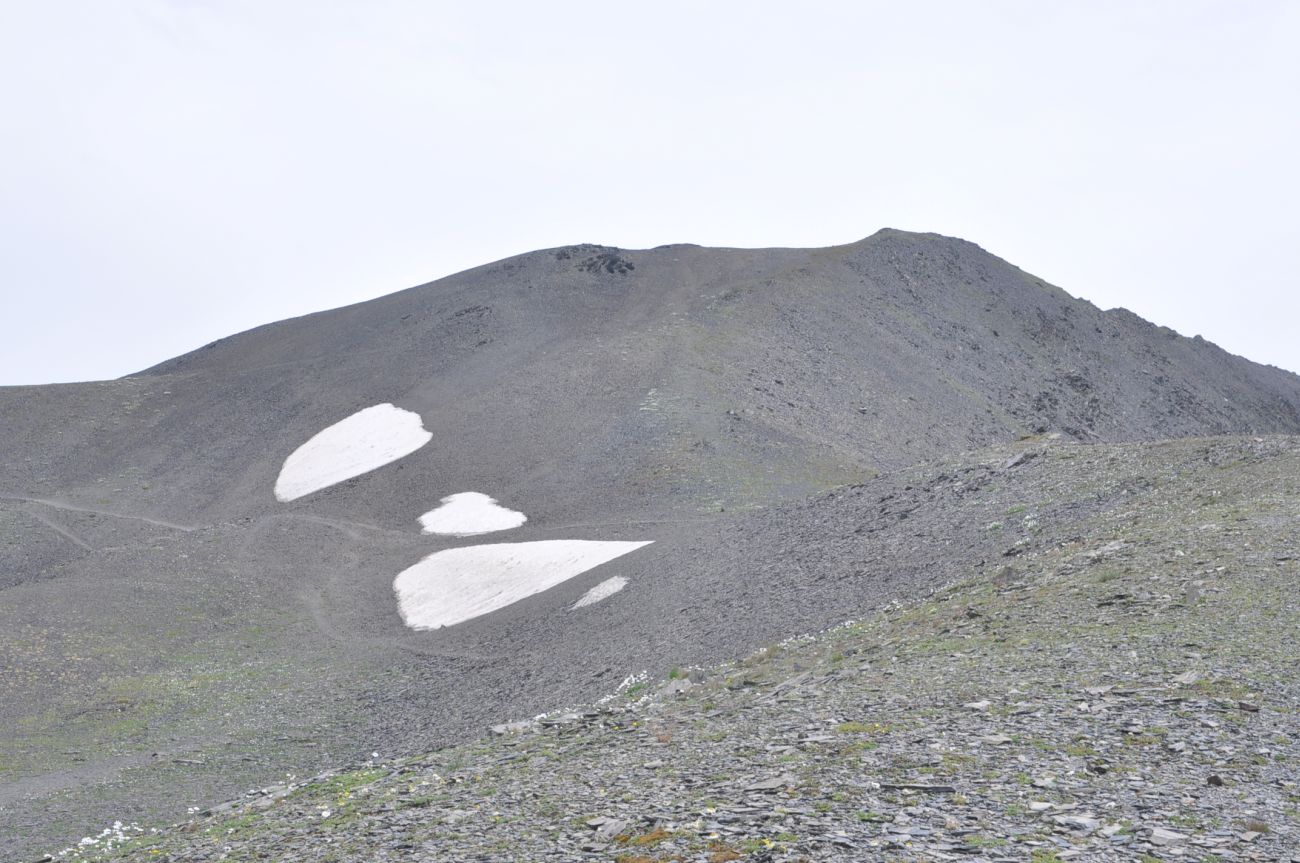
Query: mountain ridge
x=815 y=359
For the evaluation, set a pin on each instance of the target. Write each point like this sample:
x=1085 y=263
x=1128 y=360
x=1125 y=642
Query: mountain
x=1119 y=687
x=637 y=459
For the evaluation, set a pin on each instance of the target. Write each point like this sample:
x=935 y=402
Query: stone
x=1018 y=459
x=1162 y=837
x=919 y=787
x=769 y=785
x=1078 y=823
x=677 y=686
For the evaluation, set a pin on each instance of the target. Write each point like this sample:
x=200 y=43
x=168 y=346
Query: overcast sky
x=174 y=172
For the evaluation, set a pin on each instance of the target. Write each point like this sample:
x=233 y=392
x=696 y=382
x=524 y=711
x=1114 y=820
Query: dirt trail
x=61 y=531
x=56 y=504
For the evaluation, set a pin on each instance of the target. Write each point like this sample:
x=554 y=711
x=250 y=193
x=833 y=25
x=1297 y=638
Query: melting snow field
x=459 y=584
x=604 y=590
x=367 y=440
x=470 y=514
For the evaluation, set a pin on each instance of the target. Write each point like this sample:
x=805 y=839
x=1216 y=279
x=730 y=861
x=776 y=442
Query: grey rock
x=1162 y=837
x=775 y=783
x=1077 y=823
x=676 y=687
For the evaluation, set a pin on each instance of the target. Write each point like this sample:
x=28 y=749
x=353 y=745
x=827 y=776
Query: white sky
x=174 y=172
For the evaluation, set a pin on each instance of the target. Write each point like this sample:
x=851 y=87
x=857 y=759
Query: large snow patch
x=459 y=584
x=470 y=514
x=367 y=440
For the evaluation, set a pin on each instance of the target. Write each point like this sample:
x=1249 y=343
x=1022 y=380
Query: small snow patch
x=367 y=440
x=470 y=514
x=459 y=584
x=604 y=590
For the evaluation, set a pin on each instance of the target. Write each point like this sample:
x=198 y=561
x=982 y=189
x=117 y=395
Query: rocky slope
x=1118 y=686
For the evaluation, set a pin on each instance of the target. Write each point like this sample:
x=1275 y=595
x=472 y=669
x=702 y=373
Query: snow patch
x=604 y=590
x=367 y=440
x=459 y=584
x=470 y=514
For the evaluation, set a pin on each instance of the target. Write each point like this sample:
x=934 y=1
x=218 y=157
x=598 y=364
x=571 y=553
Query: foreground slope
x=172 y=630
x=1117 y=685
